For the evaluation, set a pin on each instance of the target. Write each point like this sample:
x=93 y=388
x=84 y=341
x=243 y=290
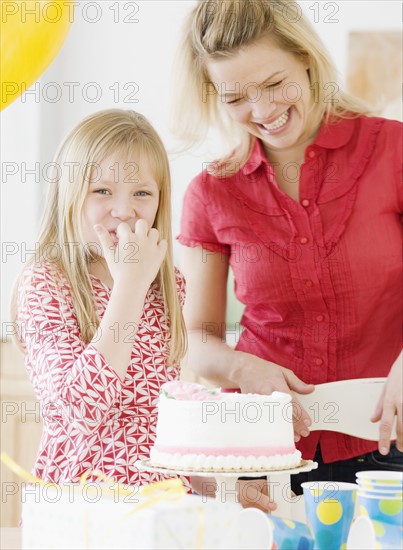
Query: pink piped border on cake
x=225 y=451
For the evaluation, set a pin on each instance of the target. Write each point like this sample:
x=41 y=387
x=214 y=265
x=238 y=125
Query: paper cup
x=381 y=494
x=366 y=534
x=385 y=477
x=385 y=510
x=290 y=535
x=395 y=489
x=329 y=508
x=253 y=532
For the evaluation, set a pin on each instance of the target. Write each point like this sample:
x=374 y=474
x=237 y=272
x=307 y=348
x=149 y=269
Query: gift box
x=99 y=516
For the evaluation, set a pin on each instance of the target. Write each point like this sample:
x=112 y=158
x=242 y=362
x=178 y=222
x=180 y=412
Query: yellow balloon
x=32 y=32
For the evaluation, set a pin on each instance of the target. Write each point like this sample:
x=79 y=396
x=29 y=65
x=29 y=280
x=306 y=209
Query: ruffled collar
x=332 y=135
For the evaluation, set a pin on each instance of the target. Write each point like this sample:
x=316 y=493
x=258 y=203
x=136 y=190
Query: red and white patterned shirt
x=92 y=420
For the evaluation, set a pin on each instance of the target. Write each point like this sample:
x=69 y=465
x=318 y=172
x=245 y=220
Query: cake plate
x=280 y=486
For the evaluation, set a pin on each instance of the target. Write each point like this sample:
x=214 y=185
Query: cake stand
x=226 y=481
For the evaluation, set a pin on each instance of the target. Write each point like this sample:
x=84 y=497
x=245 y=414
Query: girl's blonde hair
x=100 y=135
x=216 y=29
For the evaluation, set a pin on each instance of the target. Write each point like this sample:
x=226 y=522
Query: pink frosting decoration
x=225 y=451
x=189 y=391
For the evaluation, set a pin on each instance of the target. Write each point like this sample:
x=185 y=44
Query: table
x=10 y=538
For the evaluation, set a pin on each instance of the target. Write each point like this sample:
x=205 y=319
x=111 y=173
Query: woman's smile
x=267 y=90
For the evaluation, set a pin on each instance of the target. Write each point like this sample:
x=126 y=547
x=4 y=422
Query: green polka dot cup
x=329 y=508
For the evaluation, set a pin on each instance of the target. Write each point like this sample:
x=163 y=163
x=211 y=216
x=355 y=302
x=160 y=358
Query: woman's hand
x=252 y=493
x=203 y=486
x=209 y=356
x=137 y=256
x=256 y=375
x=389 y=408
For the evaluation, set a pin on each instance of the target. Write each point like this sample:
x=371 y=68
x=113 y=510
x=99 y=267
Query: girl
x=99 y=307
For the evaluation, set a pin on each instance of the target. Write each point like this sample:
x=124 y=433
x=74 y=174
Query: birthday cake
x=210 y=430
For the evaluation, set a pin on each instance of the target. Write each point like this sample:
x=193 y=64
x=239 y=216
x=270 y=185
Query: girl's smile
x=122 y=191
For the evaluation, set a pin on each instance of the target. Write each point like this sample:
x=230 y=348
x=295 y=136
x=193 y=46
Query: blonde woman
x=99 y=306
x=304 y=208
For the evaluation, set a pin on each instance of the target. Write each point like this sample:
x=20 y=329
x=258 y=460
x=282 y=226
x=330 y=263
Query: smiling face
x=267 y=91
x=119 y=191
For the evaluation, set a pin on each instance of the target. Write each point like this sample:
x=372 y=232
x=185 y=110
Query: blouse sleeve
x=70 y=377
x=196 y=223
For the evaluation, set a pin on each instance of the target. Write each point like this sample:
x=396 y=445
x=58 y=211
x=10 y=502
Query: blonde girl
x=99 y=306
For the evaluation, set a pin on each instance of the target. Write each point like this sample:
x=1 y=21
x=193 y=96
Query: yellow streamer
x=168 y=489
x=16 y=468
x=170 y=486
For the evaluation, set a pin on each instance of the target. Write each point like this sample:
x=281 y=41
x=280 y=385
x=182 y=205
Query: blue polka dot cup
x=380 y=484
x=381 y=494
x=290 y=535
x=382 y=509
x=380 y=477
x=329 y=509
x=373 y=535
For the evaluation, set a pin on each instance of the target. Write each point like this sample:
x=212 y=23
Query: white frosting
x=200 y=462
x=256 y=430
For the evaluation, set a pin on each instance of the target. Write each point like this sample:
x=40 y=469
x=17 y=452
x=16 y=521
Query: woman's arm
x=209 y=355
x=389 y=408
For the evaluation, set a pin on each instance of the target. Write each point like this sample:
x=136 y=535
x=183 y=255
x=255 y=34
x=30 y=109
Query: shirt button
x=305 y=202
x=319 y=318
x=308 y=282
x=303 y=240
x=311 y=154
x=318 y=361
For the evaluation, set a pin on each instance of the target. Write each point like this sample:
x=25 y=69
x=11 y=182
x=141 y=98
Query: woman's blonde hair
x=130 y=135
x=219 y=28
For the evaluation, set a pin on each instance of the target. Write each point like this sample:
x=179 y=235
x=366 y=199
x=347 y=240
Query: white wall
x=104 y=49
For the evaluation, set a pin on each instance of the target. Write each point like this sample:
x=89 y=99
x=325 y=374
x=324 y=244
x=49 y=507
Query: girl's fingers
x=153 y=235
x=105 y=240
x=123 y=231
x=141 y=227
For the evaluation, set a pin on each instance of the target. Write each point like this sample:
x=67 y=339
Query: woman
x=306 y=212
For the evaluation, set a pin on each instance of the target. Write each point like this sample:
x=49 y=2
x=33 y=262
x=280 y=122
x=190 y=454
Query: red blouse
x=320 y=278
x=91 y=419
